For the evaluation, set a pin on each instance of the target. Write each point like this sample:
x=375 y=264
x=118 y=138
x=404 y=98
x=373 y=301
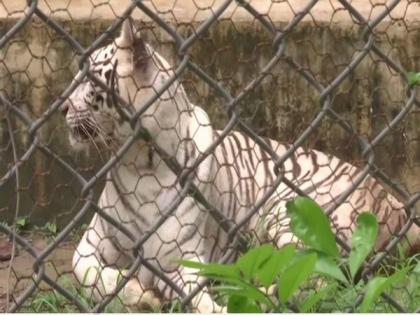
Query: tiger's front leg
x=99 y=279
x=185 y=236
x=202 y=302
x=187 y=280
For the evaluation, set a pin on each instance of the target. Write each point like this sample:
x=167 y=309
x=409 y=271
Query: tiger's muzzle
x=82 y=126
x=84 y=131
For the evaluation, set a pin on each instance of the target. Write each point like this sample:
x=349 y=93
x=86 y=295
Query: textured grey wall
x=38 y=64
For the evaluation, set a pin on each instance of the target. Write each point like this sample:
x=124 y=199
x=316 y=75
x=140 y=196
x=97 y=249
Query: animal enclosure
x=327 y=75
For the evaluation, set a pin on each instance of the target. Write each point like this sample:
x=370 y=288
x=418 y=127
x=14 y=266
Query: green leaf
x=413 y=78
x=327 y=266
x=417 y=268
x=191 y=264
x=254 y=259
x=279 y=260
x=236 y=285
x=363 y=241
x=212 y=270
x=311 y=225
x=240 y=304
x=51 y=228
x=294 y=275
x=245 y=290
x=220 y=270
x=22 y=222
x=378 y=285
x=315 y=297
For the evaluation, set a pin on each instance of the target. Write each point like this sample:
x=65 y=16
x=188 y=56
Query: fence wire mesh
x=329 y=75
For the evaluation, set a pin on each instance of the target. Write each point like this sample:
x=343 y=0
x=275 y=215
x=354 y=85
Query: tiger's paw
x=134 y=295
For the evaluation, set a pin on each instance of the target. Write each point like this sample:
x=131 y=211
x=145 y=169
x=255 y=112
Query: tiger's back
x=246 y=175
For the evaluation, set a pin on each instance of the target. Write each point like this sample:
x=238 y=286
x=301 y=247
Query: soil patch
x=18 y=274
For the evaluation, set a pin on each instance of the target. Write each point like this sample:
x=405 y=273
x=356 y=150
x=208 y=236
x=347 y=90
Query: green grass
x=342 y=299
x=51 y=301
x=335 y=299
x=330 y=289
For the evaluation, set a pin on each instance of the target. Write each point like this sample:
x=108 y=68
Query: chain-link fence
x=329 y=75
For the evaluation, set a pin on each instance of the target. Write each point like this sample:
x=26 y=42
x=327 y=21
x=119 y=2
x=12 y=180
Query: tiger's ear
x=131 y=39
x=128 y=35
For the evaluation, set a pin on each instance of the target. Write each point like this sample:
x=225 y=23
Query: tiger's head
x=136 y=72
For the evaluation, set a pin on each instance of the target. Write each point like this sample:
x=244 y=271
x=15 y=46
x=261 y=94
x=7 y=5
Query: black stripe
x=238 y=145
x=232 y=148
x=250 y=181
x=186 y=153
x=268 y=175
x=314 y=158
x=332 y=176
x=249 y=150
x=296 y=169
x=227 y=167
x=108 y=76
x=150 y=154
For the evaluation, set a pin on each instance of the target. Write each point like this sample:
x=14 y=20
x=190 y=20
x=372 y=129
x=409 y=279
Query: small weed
x=78 y=232
x=22 y=224
x=52 y=301
x=171 y=307
x=413 y=78
x=50 y=228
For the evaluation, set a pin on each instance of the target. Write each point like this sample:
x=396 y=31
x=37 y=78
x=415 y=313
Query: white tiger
x=232 y=179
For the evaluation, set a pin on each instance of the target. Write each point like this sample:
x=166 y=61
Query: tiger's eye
x=99 y=98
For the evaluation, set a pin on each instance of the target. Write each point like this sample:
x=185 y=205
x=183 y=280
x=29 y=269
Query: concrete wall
x=37 y=65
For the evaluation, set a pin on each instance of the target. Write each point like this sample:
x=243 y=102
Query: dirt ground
x=20 y=275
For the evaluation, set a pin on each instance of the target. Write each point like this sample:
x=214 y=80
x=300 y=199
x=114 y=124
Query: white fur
x=151 y=187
